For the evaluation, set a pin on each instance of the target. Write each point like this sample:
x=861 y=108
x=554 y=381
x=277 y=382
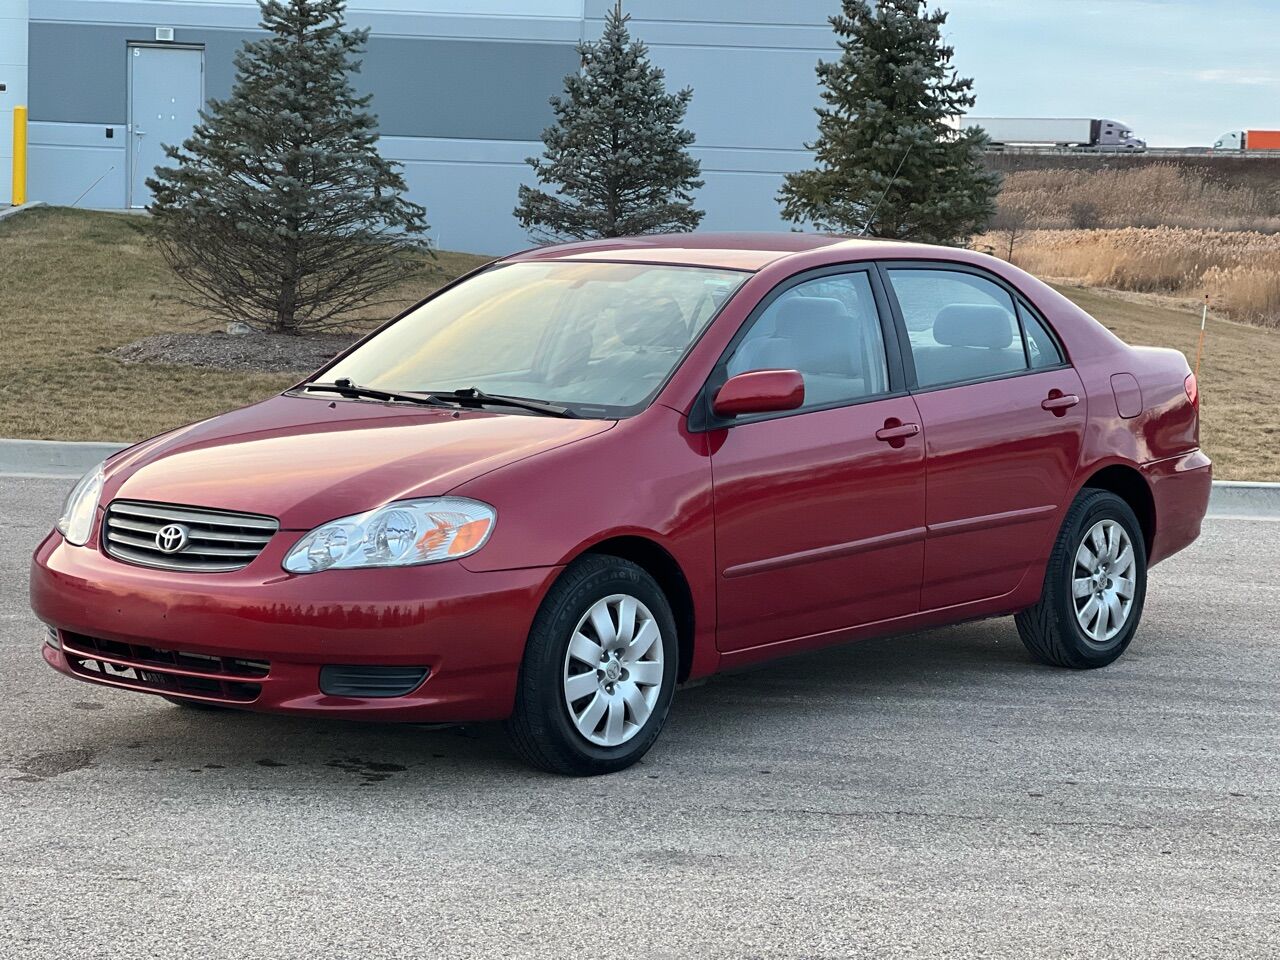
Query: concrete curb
x=51 y=458
x=69 y=460
x=14 y=211
x=1244 y=498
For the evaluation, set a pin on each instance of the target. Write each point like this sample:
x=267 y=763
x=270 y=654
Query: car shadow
x=145 y=734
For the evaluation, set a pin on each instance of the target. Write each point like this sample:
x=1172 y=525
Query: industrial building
x=460 y=88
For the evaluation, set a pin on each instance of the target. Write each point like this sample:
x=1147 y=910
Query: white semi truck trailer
x=1081 y=133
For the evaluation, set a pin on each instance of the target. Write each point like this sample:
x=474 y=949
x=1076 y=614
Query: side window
x=1042 y=349
x=960 y=326
x=829 y=330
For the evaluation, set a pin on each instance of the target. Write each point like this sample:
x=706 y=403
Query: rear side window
x=961 y=326
x=829 y=330
x=1042 y=349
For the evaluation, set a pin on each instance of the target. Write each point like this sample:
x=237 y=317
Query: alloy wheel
x=1103 y=582
x=613 y=670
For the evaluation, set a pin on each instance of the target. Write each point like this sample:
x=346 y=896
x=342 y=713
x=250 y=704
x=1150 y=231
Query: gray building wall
x=460 y=88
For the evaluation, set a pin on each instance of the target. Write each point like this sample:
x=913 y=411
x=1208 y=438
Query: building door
x=166 y=92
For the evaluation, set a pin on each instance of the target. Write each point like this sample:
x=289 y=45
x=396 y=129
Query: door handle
x=892 y=430
x=1059 y=403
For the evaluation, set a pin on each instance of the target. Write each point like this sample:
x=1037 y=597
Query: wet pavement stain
x=370 y=770
x=54 y=763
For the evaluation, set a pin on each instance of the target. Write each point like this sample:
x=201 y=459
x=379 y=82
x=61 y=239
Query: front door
x=166 y=92
x=819 y=522
x=1003 y=418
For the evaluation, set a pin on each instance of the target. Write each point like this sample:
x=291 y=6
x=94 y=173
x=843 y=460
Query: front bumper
x=467 y=629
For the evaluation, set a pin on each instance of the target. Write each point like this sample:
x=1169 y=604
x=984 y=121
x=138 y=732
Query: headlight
x=76 y=522
x=399 y=534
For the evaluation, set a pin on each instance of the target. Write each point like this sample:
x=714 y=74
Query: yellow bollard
x=19 y=156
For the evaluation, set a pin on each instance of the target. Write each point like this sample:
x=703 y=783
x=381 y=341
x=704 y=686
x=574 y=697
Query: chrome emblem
x=171 y=538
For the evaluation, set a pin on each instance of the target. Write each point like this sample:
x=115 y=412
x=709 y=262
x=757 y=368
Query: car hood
x=307 y=460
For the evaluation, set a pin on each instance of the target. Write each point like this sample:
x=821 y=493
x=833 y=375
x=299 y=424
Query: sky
x=1179 y=72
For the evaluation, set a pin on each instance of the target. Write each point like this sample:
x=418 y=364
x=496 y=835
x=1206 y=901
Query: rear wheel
x=599 y=670
x=1094 y=586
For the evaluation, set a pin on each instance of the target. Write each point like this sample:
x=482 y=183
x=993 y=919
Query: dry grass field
x=75 y=285
x=1239 y=388
x=1157 y=227
x=1238 y=270
x=1154 y=195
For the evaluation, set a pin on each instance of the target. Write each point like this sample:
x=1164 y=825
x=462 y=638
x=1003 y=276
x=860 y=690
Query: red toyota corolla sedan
x=583 y=474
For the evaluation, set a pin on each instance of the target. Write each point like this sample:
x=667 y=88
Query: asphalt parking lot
x=932 y=795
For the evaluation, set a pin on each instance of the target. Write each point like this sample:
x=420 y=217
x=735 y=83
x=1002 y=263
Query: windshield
x=598 y=338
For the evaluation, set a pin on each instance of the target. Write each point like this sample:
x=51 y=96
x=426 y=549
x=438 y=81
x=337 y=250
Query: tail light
x=1193 y=390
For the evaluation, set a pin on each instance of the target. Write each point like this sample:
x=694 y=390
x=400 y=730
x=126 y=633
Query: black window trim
x=954 y=266
x=701 y=417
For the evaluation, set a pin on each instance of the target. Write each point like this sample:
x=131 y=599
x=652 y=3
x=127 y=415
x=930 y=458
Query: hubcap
x=1102 y=585
x=613 y=670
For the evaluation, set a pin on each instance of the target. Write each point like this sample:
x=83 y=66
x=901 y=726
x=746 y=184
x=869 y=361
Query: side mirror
x=759 y=391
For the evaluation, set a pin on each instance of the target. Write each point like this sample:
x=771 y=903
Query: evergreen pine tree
x=279 y=212
x=890 y=100
x=616 y=156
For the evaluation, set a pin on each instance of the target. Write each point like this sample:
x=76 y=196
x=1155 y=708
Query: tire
x=545 y=728
x=1065 y=630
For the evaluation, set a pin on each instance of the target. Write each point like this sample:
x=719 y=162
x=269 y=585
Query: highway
x=1046 y=151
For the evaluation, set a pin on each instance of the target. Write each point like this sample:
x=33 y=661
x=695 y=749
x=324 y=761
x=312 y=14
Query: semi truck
x=1242 y=140
x=1080 y=133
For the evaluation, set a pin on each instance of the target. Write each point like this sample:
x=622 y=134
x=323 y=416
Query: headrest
x=974 y=325
x=654 y=323
x=819 y=335
x=572 y=357
x=812 y=317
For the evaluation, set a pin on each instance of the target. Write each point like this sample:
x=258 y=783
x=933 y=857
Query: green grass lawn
x=74 y=285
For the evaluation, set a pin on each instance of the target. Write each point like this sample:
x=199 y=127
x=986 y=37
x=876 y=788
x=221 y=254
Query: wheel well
x=1128 y=484
x=663 y=568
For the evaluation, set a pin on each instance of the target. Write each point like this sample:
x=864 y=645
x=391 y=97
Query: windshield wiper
x=474 y=396
x=346 y=388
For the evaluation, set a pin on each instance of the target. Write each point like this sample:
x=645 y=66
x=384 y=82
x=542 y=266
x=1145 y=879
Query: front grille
x=200 y=540
x=366 y=681
x=164 y=671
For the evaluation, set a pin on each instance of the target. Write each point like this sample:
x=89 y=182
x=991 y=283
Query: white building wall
x=13 y=74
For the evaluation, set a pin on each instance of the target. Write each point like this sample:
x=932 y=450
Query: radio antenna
x=892 y=180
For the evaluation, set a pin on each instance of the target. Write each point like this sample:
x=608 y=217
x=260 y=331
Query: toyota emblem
x=171 y=538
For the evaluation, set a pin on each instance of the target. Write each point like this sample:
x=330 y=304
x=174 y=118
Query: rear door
x=1003 y=418
x=819 y=521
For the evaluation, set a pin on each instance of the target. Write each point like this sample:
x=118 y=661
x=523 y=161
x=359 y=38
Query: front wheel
x=1094 y=586
x=599 y=670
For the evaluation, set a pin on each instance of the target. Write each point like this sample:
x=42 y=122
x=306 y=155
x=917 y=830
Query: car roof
x=734 y=251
